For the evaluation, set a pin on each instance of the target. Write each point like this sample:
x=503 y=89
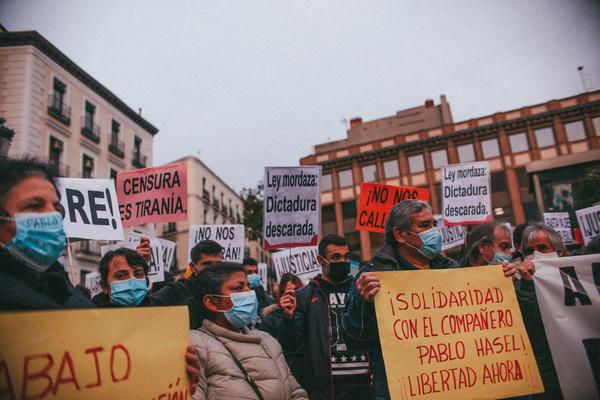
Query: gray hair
x=401 y=217
x=530 y=232
x=485 y=233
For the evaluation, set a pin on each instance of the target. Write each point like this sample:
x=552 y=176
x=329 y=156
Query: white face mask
x=539 y=255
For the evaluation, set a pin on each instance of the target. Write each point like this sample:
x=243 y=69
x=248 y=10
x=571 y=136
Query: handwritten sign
x=376 y=201
x=452 y=235
x=263 y=272
x=292 y=206
x=90 y=208
x=561 y=223
x=300 y=261
x=156 y=194
x=567 y=292
x=92 y=282
x=466 y=194
x=454 y=334
x=230 y=237
x=94 y=354
x=156 y=272
x=589 y=222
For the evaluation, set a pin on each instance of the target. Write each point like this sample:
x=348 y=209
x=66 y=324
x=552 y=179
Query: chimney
x=429 y=103
x=354 y=122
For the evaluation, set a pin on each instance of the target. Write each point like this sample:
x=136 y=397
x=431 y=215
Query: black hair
x=16 y=170
x=331 y=239
x=518 y=234
x=288 y=277
x=482 y=234
x=249 y=261
x=204 y=247
x=210 y=281
x=131 y=256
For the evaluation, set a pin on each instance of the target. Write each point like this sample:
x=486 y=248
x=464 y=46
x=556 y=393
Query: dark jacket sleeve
x=283 y=329
x=359 y=323
x=173 y=294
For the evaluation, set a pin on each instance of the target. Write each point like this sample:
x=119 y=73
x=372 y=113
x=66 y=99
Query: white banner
x=561 y=223
x=300 y=261
x=156 y=273
x=589 y=222
x=168 y=248
x=91 y=208
x=466 y=194
x=452 y=235
x=230 y=237
x=569 y=298
x=292 y=206
x=92 y=282
x=262 y=271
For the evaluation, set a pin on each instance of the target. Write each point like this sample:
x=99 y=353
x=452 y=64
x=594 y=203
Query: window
x=88 y=120
x=544 y=137
x=575 y=131
x=369 y=173
x=172 y=227
x=345 y=177
x=439 y=158
x=87 y=167
x=328 y=219
x=326 y=183
x=204 y=220
x=518 y=142
x=490 y=148
x=114 y=132
x=390 y=169
x=596 y=123
x=137 y=146
x=416 y=163
x=466 y=152
x=499 y=182
x=58 y=94
x=56 y=149
x=113 y=174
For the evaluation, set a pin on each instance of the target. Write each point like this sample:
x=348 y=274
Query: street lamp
x=6 y=136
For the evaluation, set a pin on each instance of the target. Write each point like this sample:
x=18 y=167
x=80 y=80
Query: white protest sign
x=300 y=261
x=589 y=222
x=569 y=298
x=452 y=235
x=466 y=194
x=262 y=271
x=230 y=237
x=168 y=251
x=561 y=223
x=91 y=208
x=292 y=206
x=156 y=273
x=92 y=282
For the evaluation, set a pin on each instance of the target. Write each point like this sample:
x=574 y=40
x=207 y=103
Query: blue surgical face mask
x=431 y=240
x=499 y=257
x=243 y=310
x=254 y=281
x=128 y=293
x=39 y=241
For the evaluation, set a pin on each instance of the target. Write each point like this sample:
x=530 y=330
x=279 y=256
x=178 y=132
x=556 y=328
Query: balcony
x=116 y=146
x=170 y=228
x=90 y=130
x=224 y=209
x=138 y=160
x=205 y=196
x=58 y=109
x=215 y=204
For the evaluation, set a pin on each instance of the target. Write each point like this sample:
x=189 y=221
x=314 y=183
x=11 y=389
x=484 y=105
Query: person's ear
x=399 y=236
x=209 y=304
x=321 y=260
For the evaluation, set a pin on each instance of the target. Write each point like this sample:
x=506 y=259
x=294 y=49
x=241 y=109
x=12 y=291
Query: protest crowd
x=317 y=338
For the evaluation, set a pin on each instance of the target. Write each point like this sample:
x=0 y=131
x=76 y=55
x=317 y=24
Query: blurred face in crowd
x=31 y=195
x=120 y=270
x=502 y=241
x=206 y=260
x=421 y=222
x=541 y=242
x=333 y=254
x=251 y=269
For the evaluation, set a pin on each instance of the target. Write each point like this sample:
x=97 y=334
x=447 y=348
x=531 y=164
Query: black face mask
x=338 y=271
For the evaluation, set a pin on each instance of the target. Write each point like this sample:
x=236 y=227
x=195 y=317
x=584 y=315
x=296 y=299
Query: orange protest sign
x=156 y=194
x=454 y=334
x=94 y=354
x=376 y=201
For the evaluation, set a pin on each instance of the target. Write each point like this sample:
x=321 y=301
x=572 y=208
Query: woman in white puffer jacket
x=236 y=363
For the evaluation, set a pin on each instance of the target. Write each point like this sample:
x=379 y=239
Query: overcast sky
x=249 y=84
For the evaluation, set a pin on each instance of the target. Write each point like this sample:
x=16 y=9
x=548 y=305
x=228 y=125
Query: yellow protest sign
x=454 y=334
x=132 y=353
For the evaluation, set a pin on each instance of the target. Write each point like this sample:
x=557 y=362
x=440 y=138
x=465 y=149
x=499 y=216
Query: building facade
x=210 y=202
x=61 y=114
x=535 y=153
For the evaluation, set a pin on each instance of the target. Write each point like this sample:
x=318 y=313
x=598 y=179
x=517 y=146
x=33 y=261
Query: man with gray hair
x=412 y=242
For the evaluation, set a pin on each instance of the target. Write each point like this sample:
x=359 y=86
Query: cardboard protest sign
x=156 y=273
x=589 y=222
x=263 y=272
x=292 y=206
x=92 y=282
x=466 y=194
x=561 y=223
x=567 y=292
x=377 y=200
x=95 y=354
x=300 y=261
x=90 y=208
x=452 y=235
x=230 y=237
x=454 y=334
x=157 y=194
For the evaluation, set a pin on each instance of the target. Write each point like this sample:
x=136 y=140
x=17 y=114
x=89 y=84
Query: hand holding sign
x=144 y=249
x=368 y=285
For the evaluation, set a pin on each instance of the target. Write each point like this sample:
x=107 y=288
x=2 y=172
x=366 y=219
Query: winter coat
x=258 y=352
x=22 y=288
x=359 y=324
x=178 y=293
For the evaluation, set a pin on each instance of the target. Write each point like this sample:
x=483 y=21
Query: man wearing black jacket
x=331 y=371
